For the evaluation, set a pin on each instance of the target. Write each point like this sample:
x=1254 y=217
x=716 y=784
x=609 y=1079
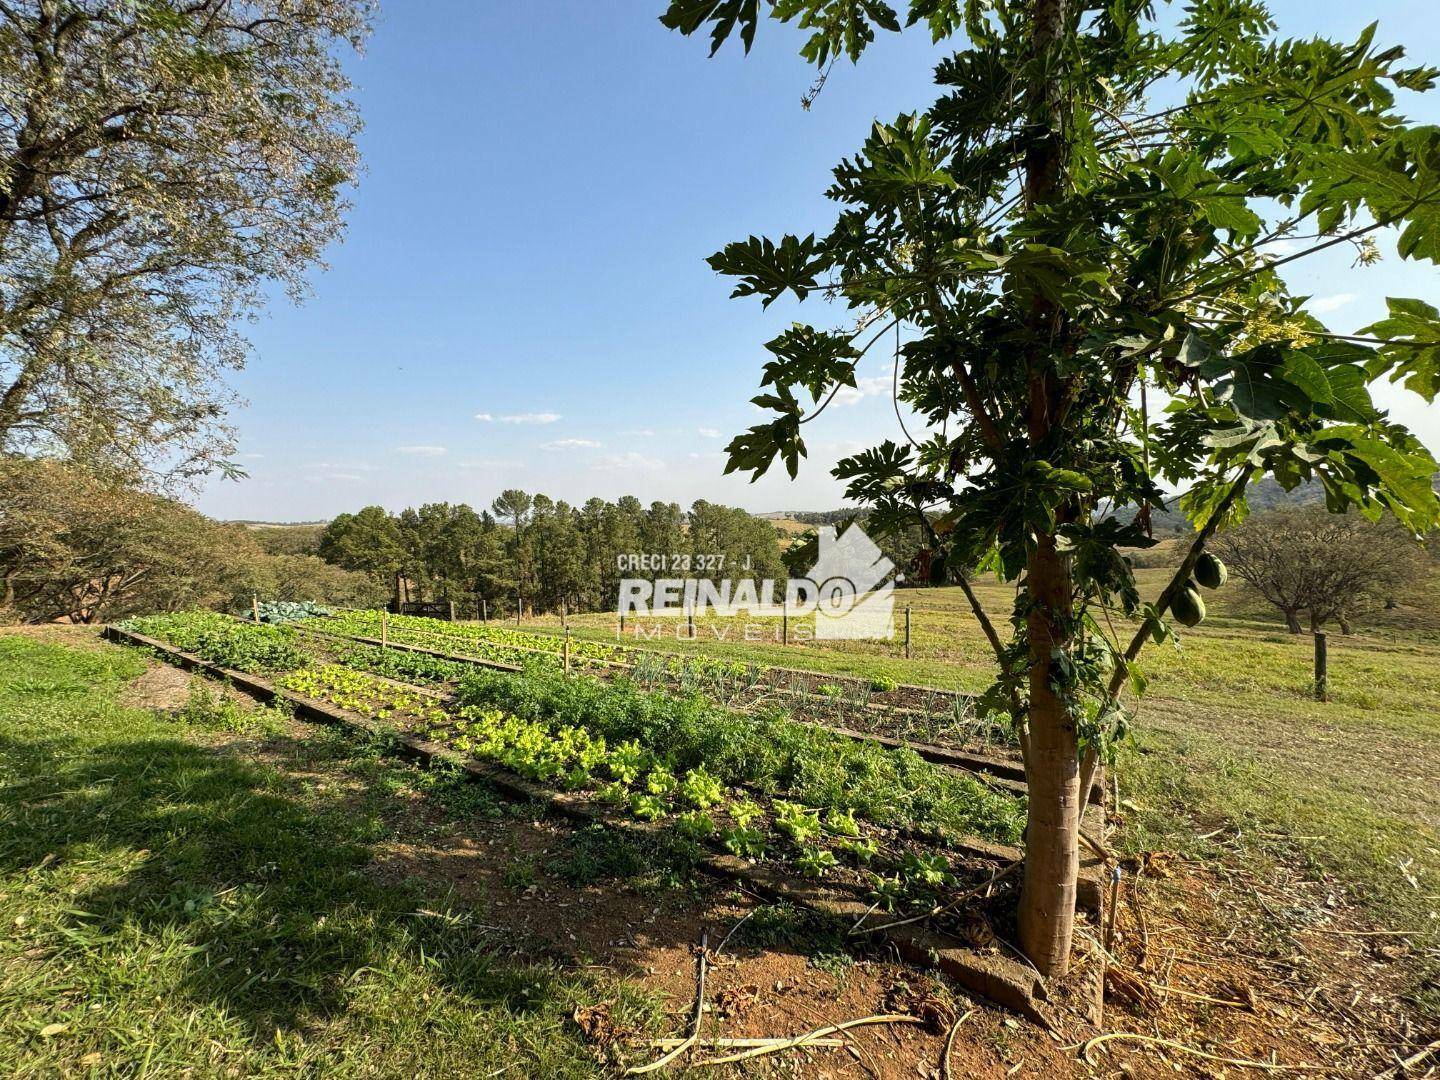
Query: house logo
x=850 y=590
x=854 y=587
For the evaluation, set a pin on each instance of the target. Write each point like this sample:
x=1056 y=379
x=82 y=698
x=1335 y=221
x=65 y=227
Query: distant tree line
x=544 y=554
x=78 y=546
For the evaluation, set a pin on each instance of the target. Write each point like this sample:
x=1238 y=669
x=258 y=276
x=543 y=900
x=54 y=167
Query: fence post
x=907 y=631
x=785 y=621
x=484 y=610
x=565 y=614
x=519 y=606
x=452 y=610
x=690 y=623
x=622 y=624
x=567 y=652
x=254 y=607
x=1322 y=672
x=384 y=629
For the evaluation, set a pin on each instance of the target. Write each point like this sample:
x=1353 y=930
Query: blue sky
x=543 y=182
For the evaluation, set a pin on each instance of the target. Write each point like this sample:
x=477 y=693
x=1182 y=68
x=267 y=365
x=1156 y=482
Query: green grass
x=171 y=906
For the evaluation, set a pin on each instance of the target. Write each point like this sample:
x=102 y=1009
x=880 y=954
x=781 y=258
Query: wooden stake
x=384 y=629
x=1322 y=664
x=785 y=621
x=567 y=651
x=907 y=631
x=484 y=610
x=254 y=607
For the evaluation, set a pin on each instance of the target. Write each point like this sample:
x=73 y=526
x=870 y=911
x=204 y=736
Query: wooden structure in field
x=405 y=601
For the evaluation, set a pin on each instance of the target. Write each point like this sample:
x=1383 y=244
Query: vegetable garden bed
x=1002 y=770
x=894 y=708
x=920 y=854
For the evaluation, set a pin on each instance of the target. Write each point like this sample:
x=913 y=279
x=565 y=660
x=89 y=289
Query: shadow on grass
x=170 y=895
x=261 y=897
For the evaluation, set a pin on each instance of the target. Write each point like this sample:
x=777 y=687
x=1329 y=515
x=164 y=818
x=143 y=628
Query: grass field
x=176 y=903
x=1229 y=736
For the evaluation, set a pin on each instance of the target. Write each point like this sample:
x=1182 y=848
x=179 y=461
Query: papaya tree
x=1078 y=255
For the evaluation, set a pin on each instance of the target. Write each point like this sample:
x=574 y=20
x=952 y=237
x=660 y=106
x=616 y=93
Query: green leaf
x=1412 y=349
x=687 y=16
x=814 y=359
x=767 y=269
x=1302 y=372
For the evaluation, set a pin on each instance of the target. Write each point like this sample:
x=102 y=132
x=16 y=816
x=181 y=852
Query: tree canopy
x=545 y=553
x=1329 y=566
x=1078 y=253
x=80 y=547
x=160 y=163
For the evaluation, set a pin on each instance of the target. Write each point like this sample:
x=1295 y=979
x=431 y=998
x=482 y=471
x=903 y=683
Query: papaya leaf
x=768 y=269
x=1412 y=349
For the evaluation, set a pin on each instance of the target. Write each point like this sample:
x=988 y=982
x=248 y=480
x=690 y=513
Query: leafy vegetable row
x=770 y=753
x=364 y=694
x=413 y=629
x=223 y=640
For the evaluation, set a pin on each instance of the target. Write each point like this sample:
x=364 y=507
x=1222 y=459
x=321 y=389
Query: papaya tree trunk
x=1052 y=835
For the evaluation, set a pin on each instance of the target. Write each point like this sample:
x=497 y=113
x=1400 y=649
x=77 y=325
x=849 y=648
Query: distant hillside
x=1267 y=494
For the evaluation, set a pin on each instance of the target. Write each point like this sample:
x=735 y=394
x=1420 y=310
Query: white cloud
x=1323 y=305
x=350 y=467
x=638 y=433
x=327 y=477
x=422 y=451
x=863 y=388
x=708 y=432
x=490 y=463
x=618 y=462
x=571 y=444
x=519 y=418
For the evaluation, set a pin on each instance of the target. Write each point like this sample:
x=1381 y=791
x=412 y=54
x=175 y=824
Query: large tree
x=1330 y=566
x=160 y=162
x=1094 y=217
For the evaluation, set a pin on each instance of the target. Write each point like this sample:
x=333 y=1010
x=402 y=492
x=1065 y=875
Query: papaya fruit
x=1210 y=571
x=1189 y=606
